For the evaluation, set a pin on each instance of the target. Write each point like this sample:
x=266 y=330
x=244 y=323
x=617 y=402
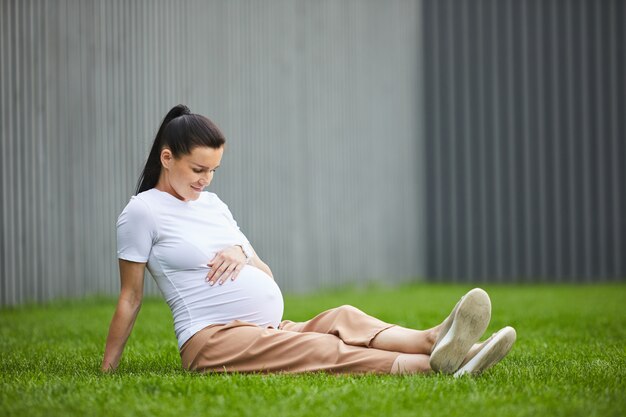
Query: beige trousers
x=335 y=341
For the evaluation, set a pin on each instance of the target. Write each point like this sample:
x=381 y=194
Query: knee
x=347 y=309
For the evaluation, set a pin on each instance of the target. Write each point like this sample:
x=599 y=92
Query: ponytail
x=181 y=135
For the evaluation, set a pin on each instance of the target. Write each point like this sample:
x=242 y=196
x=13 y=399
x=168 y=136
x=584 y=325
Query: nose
x=205 y=179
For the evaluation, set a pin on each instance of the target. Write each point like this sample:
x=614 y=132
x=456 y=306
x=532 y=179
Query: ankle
x=431 y=335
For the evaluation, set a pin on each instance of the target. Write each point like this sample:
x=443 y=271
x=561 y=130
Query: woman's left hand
x=226 y=263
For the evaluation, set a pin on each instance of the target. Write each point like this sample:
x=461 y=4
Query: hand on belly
x=253 y=297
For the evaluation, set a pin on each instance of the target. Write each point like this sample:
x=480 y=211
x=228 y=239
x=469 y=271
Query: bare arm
x=128 y=306
x=257 y=262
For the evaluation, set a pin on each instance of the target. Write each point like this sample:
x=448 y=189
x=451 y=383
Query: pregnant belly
x=253 y=297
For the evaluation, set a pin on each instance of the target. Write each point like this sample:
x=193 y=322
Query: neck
x=164 y=185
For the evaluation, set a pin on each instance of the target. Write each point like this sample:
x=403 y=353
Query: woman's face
x=187 y=176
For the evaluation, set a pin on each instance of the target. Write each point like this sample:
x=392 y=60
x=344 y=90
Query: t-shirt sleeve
x=136 y=231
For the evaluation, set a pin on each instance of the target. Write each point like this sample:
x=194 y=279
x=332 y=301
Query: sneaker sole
x=491 y=354
x=469 y=324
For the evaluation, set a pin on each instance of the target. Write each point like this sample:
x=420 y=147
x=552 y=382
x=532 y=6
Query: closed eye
x=197 y=171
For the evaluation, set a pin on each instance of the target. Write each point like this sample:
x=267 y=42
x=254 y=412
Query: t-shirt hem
x=190 y=331
x=132 y=258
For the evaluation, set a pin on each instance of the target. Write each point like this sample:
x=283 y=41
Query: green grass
x=569 y=359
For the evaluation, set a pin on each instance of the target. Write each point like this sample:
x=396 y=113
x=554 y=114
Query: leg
x=355 y=327
x=245 y=347
x=474 y=310
x=401 y=339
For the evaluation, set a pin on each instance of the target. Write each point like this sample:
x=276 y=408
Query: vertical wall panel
x=319 y=102
x=525 y=140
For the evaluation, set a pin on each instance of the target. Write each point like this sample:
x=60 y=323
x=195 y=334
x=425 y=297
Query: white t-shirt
x=177 y=239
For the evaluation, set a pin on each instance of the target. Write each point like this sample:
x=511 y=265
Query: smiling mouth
x=197 y=189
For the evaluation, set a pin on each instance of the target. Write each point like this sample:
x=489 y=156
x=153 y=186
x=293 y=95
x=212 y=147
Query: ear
x=166 y=157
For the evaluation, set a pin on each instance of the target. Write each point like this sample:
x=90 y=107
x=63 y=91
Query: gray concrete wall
x=525 y=120
x=458 y=140
x=319 y=100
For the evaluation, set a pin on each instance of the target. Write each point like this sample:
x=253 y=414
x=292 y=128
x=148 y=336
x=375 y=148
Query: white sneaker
x=465 y=325
x=488 y=353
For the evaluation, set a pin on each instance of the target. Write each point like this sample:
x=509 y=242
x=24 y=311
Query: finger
x=211 y=264
x=214 y=258
x=213 y=274
x=238 y=268
x=235 y=272
x=227 y=273
x=214 y=264
x=219 y=272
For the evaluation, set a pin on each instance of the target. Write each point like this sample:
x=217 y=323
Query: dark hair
x=181 y=131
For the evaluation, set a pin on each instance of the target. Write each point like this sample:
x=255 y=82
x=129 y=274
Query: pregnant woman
x=226 y=306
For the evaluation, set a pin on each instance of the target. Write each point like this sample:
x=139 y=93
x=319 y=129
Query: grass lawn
x=569 y=359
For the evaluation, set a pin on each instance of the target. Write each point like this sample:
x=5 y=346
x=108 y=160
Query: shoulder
x=137 y=209
x=139 y=202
